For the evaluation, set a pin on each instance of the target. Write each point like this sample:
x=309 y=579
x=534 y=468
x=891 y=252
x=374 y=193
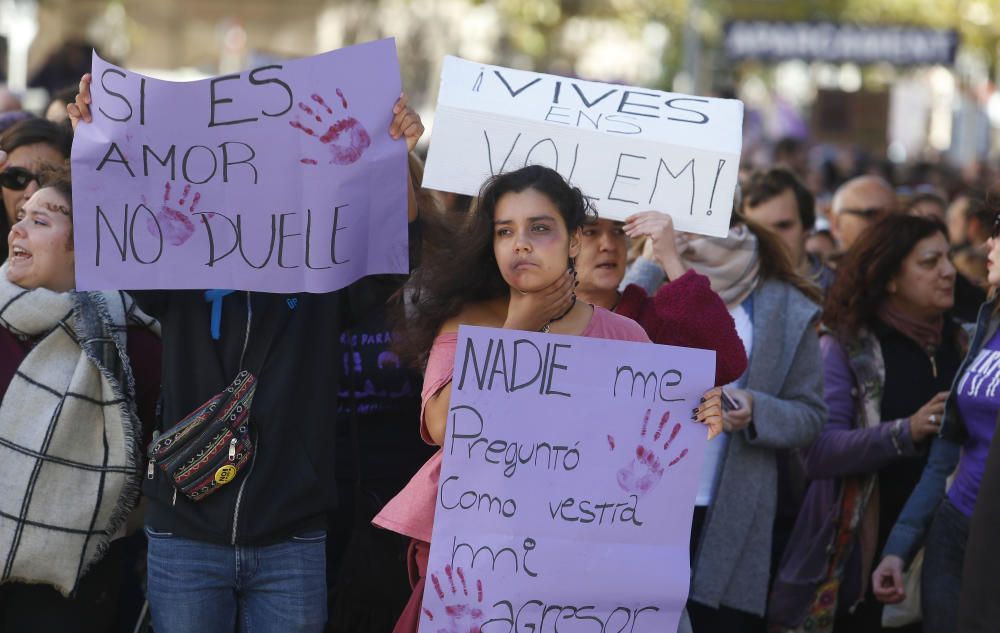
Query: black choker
x=545 y=328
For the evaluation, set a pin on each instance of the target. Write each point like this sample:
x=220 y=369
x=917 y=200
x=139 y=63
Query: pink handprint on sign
x=646 y=468
x=175 y=225
x=461 y=613
x=346 y=139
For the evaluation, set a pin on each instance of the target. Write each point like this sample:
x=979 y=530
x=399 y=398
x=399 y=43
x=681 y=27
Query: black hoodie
x=289 y=486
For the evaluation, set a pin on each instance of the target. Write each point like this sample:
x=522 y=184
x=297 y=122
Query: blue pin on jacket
x=215 y=298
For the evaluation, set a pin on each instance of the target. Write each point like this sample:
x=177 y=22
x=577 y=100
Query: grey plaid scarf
x=69 y=436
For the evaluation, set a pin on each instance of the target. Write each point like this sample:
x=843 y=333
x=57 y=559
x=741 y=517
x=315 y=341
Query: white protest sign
x=629 y=149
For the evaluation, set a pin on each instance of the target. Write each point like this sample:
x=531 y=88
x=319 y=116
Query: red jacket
x=686 y=312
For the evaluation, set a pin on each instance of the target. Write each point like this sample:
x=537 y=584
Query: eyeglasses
x=16 y=178
x=868 y=214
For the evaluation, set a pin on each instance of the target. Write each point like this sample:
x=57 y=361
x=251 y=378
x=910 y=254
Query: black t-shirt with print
x=382 y=394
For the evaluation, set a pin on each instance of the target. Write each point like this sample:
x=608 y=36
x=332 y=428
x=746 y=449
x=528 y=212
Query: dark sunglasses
x=16 y=178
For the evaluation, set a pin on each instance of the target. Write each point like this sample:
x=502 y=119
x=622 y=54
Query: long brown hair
x=457 y=263
x=867 y=268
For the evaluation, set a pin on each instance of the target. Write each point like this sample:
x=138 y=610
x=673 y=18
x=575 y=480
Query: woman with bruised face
x=70 y=425
x=510 y=266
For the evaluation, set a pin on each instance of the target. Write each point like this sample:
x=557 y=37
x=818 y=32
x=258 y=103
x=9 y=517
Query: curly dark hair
x=457 y=263
x=867 y=268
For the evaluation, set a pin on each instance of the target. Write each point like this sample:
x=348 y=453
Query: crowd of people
x=850 y=482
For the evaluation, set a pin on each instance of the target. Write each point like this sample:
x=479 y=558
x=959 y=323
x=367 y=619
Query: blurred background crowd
x=869 y=106
x=834 y=87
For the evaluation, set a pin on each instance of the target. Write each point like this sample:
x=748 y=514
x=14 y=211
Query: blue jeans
x=195 y=586
x=941 y=579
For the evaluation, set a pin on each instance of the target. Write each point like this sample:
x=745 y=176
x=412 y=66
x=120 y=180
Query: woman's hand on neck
x=533 y=310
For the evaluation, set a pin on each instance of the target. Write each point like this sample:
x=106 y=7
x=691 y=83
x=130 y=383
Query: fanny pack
x=212 y=445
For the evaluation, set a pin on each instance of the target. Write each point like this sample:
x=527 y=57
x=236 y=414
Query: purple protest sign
x=282 y=178
x=567 y=487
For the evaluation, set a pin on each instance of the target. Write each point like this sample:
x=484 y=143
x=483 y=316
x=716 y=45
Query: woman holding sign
x=777 y=406
x=512 y=268
x=77 y=372
x=685 y=312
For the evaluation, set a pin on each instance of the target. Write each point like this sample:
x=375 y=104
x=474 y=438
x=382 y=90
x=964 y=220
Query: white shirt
x=716 y=449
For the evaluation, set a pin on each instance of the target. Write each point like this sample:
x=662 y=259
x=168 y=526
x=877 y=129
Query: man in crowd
x=254 y=550
x=857 y=204
x=970 y=221
x=779 y=201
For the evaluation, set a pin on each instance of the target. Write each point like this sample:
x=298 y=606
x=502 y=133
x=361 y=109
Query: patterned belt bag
x=210 y=446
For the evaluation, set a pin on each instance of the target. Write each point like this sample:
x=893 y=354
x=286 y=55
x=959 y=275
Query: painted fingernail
x=576 y=284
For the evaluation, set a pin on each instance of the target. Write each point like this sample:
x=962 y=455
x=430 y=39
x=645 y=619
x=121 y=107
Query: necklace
x=545 y=328
x=618 y=298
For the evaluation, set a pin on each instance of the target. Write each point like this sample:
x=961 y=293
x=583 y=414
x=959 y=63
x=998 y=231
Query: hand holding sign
x=659 y=228
x=710 y=412
x=79 y=110
x=462 y=613
x=407 y=122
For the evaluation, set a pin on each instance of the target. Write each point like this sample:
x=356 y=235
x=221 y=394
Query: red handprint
x=175 y=225
x=461 y=614
x=646 y=469
x=345 y=138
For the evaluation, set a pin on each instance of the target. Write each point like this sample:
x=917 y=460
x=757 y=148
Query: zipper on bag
x=152 y=460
